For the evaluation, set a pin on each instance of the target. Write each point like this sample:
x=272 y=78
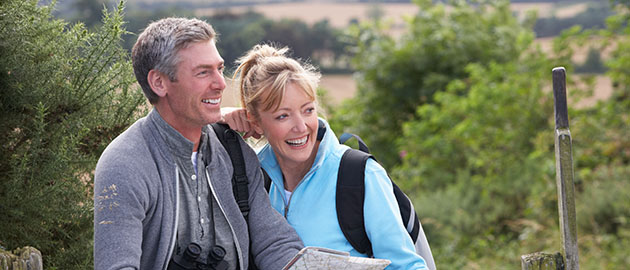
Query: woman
x=279 y=96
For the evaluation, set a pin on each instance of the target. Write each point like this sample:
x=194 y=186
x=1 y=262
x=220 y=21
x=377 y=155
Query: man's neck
x=192 y=133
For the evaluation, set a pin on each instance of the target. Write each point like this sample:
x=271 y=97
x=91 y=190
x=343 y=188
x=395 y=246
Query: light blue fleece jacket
x=311 y=209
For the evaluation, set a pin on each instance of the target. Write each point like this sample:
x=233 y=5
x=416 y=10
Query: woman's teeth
x=298 y=142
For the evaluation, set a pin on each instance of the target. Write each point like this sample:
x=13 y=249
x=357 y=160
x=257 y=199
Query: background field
x=458 y=112
x=340 y=14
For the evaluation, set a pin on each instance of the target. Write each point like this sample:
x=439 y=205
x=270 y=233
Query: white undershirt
x=287 y=195
x=193 y=158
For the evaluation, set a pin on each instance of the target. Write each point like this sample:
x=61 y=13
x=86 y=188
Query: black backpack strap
x=267 y=180
x=346 y=136
x=230 y=141
x=350 y=198
x=407 y=212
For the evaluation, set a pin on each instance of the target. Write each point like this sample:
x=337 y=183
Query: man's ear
x=157 y=81
x=252 y=120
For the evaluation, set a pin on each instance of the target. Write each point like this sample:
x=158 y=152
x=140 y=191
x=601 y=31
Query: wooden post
x=542 y=261
x=26 y=258
x=564 y=171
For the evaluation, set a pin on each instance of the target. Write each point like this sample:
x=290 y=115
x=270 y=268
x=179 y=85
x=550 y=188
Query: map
x=316 y=258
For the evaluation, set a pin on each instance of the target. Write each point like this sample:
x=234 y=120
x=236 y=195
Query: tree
x=89 y=11
x=66 y=93
x=238 y=33
x=479 y=159
x=467 y=152
x=592 y=64
x=394 y=77
x=477 y=154
x=602 y=155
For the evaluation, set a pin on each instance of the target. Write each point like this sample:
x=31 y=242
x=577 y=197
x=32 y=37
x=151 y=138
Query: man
x=163 y=187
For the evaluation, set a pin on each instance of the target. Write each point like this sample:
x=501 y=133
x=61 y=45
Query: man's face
x=194 y=99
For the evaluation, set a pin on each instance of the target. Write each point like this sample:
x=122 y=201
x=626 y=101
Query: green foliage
x=468 y=152
x=477 y=149
x=138 y=18
x=89 y=11
x=66 y=93
x=602 y=157
x=318 y=43
x=394 y=77
x=238 y=33
x=592 y=64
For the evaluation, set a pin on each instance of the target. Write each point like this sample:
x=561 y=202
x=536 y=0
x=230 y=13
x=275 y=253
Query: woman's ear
x=255 y=124
x=157 y=81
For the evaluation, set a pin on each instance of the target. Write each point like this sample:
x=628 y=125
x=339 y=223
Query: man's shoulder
x=127 y=149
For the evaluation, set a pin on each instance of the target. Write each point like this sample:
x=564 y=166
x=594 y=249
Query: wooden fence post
x=564 y=171
x=542 y=261
x=564 y=182
x=26 y=258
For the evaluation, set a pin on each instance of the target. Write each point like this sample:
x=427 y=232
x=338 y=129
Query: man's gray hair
x=158 y=45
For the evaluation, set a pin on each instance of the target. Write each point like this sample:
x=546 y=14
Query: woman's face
x=292 y=129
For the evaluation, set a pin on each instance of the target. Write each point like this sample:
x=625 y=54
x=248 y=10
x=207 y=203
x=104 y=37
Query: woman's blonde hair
x=264 y=73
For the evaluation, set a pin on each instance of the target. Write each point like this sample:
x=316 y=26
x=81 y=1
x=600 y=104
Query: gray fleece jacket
x=135 y=204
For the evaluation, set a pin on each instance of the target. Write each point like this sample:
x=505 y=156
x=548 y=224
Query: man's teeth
x=298 y=142
x=211 y=101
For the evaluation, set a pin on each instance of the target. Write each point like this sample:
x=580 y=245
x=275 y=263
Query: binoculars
x=190 y=260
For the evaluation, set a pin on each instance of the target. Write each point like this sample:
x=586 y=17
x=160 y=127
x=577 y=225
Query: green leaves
x=66 y=92
x=397 y=76
x=465 y=98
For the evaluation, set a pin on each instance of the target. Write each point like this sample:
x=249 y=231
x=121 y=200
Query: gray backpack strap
x=423 y=249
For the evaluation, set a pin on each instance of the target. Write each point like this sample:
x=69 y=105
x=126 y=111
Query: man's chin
x=213 y=119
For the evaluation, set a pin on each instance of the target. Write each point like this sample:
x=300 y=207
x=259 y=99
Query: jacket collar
x=178 y=145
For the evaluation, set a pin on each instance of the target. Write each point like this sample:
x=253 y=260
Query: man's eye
x=202 y=73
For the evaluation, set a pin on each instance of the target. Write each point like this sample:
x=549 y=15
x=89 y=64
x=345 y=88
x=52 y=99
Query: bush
x=394 y=77
x=472 y=160
x=66 y=93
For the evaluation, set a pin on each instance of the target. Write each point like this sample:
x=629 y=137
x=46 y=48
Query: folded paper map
x=316 y=258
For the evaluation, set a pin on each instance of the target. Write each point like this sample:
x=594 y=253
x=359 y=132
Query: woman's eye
x=310 y=110
x=282 y=116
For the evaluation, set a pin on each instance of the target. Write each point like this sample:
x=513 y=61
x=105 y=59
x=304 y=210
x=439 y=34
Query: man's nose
x=218 y=82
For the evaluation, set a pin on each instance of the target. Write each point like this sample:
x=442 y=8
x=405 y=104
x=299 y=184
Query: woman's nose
x=299 y=124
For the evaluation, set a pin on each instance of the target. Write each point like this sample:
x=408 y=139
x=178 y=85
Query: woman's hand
x=236 y=118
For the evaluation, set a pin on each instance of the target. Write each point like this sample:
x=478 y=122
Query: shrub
x=66 y=93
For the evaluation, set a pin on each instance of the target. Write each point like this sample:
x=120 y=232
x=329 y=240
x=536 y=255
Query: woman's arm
x=236 y=118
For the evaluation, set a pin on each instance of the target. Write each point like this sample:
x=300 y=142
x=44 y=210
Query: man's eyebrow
x=209 y=66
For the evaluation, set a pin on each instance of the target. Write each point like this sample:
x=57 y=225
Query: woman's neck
x=294 y=172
